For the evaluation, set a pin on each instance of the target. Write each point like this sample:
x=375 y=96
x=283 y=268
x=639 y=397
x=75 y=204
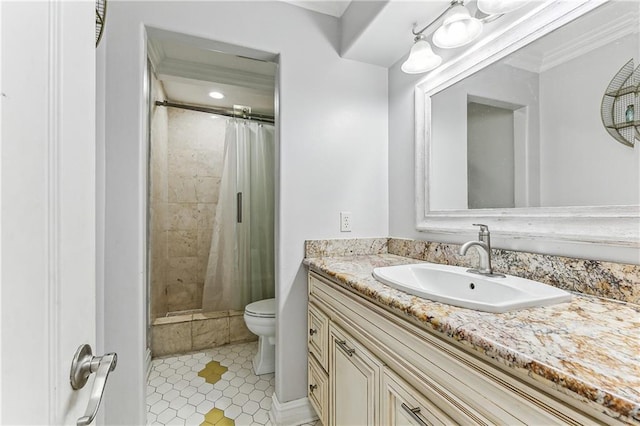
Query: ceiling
x=373 y=31
x=377 y=32
x=386 y=37
x=328 y=7
x=189 y=71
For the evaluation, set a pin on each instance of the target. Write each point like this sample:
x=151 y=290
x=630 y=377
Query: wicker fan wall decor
x=101 y=14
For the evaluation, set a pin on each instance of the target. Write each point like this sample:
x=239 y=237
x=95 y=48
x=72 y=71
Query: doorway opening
x=211 y=190
x=498 y=173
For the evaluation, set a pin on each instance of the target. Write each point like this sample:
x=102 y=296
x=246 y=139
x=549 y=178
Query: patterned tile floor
x=213 y=387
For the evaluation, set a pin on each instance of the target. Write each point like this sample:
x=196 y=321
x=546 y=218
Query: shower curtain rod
x=263 y=118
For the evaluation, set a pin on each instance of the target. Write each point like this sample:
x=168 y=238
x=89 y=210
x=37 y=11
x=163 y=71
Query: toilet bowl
x=260 y=318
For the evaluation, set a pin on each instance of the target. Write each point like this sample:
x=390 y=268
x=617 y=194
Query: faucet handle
x=483 y=228
x=483 y=234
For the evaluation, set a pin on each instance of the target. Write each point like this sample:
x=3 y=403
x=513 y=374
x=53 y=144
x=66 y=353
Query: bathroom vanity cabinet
x=370 y=366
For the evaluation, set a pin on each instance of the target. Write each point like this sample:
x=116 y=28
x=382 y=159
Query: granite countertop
x=588 y=348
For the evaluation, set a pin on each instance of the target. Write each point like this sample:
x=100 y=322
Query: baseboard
x=296 y=412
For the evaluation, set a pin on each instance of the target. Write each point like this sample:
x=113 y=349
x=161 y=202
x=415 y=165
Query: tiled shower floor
x=213 y=387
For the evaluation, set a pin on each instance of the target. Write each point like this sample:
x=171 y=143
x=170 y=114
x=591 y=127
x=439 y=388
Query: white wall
x=333 y=157
x=402 y=217
x=575 y=147
x=497 y=85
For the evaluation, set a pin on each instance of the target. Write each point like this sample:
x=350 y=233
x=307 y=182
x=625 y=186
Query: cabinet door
x=318 y=324
x=403 y=405
x=354 y=381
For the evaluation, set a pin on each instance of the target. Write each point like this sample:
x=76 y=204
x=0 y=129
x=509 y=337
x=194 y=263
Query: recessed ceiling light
x=216 y=95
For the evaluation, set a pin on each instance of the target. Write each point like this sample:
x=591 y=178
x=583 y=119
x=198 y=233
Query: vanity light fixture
x=216 y=95
x=458 y=28
x=421 y=58
x=499 y=7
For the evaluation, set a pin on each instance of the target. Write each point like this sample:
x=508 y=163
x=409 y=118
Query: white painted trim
x=143 y=170
x=148 y=363
x=54 y=219
x=294 y=412
x=1 y=210
x=568 y=229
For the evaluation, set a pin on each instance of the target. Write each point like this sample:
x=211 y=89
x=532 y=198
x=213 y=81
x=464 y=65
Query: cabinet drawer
x=318 y=328
x=318 y=390
x=403 y=405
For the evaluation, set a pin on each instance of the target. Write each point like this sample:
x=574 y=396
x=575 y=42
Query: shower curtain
x=240 y=269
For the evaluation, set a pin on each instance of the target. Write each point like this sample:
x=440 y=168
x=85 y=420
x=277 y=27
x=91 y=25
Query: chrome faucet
x=483 y=245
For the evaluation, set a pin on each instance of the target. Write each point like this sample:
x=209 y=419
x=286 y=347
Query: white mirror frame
x=542 y=229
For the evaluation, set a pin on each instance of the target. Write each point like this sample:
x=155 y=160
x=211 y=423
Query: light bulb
x=458 y=28
x=421 y=57
x=498 y=7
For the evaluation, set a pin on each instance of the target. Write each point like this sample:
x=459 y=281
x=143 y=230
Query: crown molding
x=215 y=74
x=606 y=33
x=599 y=36
x=155 y=52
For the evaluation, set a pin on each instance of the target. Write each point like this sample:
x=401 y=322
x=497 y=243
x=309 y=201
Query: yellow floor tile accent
x=216 y=417
x=226 y=422
x=212 y=372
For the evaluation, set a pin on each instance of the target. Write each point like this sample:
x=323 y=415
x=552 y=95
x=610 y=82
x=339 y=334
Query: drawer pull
x=312 y=388
x=413 y=412
x=312 y=331
x=343 y=345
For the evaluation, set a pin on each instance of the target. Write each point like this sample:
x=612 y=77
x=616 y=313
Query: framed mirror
x=510 y=132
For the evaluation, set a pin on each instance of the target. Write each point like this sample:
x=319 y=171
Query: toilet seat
x=261 y=309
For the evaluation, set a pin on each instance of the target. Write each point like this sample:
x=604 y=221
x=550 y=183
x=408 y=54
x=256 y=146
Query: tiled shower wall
x=192 y=165
x=196 y=148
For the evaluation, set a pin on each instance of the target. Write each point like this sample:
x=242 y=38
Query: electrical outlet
x=345 y=221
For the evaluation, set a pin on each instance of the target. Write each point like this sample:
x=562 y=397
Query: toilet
x=260 y=318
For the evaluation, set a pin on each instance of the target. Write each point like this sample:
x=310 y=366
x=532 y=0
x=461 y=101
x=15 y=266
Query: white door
x=47 y=196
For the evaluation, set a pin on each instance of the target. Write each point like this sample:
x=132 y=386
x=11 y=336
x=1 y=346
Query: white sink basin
x=453 y=285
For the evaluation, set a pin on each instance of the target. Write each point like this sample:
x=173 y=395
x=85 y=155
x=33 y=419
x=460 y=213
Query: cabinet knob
x=312 y=388
x=312 y=331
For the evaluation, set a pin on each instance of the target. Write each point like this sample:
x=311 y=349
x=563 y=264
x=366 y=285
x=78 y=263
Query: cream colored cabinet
x=370 y=366
x=354 y=380
x=402 y=405
x=319 y=390
x=318 y=335
x=318 y=344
